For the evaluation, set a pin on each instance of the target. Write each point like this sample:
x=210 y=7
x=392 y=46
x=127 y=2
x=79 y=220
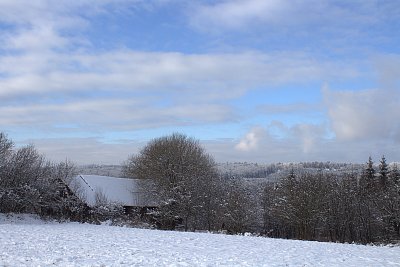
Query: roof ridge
x=86 y=182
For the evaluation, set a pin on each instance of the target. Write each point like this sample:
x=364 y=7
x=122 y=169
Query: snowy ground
x=30 y=242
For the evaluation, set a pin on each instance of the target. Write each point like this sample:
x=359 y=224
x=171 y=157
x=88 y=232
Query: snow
x=127 y=192
x=35 y=243
x=14 y=218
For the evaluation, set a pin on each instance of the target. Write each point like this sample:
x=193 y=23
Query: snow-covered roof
x=93 y=189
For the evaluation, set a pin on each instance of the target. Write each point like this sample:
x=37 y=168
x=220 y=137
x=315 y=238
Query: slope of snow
x=73 y=244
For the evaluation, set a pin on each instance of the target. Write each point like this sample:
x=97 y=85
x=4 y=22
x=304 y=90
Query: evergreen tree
x=383 y=173
x=394 y=176
x=368 y=177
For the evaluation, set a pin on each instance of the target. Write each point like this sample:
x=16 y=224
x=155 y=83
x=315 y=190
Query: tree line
x=193 y=195
x=325 y=206
x=350 y=207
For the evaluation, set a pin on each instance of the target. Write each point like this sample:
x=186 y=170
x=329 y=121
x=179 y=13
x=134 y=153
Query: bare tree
x=5 y=146
x=182 y=173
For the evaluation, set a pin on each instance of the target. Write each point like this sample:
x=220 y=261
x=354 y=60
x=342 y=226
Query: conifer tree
x=383 y=173
x=394 y=176
x=368 y=176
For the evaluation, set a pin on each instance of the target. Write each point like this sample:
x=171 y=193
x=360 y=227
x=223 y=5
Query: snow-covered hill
x=35 y=243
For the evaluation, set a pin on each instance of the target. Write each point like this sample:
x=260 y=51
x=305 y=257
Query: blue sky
x=253 y=80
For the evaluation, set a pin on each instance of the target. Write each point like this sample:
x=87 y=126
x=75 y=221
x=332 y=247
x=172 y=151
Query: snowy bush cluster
x=30 y=184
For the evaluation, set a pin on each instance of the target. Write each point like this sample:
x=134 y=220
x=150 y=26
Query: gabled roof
x=124 y=191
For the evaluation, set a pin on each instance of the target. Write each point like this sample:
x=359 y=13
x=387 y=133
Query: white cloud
x=300 y=142
x=369 y=114
x=112 y=115
x=86 y=150
x=235 y=14
x=309 y=136
x=319 y=14
x=295 y=108
x=38 y=24
x=94 y=86
x=130 y=70
x=37 y=38
x=366 y=114
x=303 y=138
x=251 y=140
x=190 y=89
x=388 y=70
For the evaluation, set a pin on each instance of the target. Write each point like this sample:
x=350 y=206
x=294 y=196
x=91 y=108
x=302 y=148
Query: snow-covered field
x=31 y=242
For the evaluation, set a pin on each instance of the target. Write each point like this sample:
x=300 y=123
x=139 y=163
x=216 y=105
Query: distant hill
x=267 y=172
x=104 y=170
x=273 y=172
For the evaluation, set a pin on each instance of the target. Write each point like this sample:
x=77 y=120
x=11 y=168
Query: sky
x=262 y=81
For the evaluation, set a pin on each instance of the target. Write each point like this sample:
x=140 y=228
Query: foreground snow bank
x=73 y=244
